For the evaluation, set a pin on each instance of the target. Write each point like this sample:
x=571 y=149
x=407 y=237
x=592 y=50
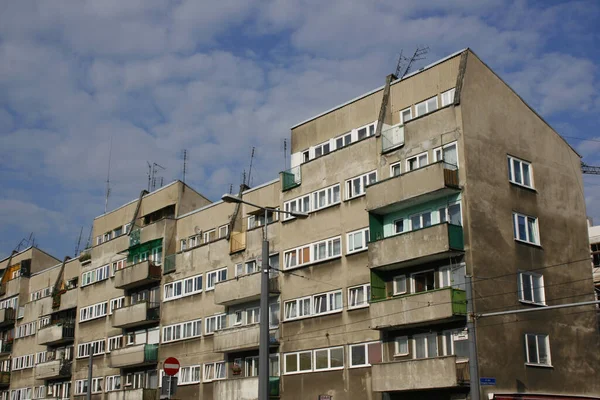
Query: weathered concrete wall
x=236 y=389
x=428 y=373
x=496 y=123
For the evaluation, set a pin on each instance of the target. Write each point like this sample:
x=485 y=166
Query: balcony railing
x=239 y=338
x=6 y=347
x=232 y=388
x=291 y=178
x=136 y=315
x=139 y=274
x=53 y=369
x=134 y=237
x=58 y=333
x=420 y=374
x=392 y=138
x=7 y=316
x=416 y=247
x=242 y=289
x=4 y=379
x=133 y=356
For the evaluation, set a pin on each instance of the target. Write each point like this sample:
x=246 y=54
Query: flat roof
x=381 y=87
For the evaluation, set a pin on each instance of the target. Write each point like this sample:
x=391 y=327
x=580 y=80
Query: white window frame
x=168 y=331
x=322 y=146
x=350 y=248
x=362 y=186
x=329 y=367
x=114 y=343
x=183 y=244
x=427 y=108
x=113 y=383
x=343 y=137
x=209 y=371
x=206 y=235
x=97 y=383
x=94 y=311
x=308 y=203
x=370 y=130
x=536 y=228
x=220 y=323
x=448 y=97
x=98 y=347
x=300 y=305
x=427 y=337
x=396 y=164
x=412 y=281
x=216 y=276
x=539 y=338
x=223 y=231
x=438 y=152
x=532 y=276
x=402 y=121
x=395 y=280
x=365 y=346
x=193 y=241
x=169 y=289
x=297 y=354
x=397 y=341
x=298 y=253
x=418 y=158
x=81 y=386
x=115 y=304
x=366 y=289
x=511 y=172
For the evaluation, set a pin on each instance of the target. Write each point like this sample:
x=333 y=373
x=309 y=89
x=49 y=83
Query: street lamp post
x=263 y=349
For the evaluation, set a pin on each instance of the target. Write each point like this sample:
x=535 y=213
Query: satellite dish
x=197 y=230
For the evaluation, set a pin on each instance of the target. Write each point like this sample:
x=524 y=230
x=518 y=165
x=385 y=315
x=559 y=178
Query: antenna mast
x=285 y=154
x=78 y=242
x=89 y=240
x=250 y=170
x=184 y=163
x=154 y=171
x=108 y=176
x=418 y=55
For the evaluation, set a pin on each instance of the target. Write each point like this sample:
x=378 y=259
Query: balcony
x=432 y=243
x=133 y=394
x=4 y=379
x=56 y=334
x=135 y=315
x=134 y=356
x=64 y=301
x=291 y=178
x=392 y=138
x=53 y=369
x=241 y=338
x=243 y=389
x=6 y=347
x=418 y=186
x=242 y=289
x=422 y=374
x=136 y=275
x=444 y=305
x=237 y=242
x=7 y=317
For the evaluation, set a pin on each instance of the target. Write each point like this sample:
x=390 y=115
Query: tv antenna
x=78 y=242
x=250 y=170
x=108 y=176
x=153 y=172
x=284 y=146
x=89 y=239
x=418 y=55
x=184 y=164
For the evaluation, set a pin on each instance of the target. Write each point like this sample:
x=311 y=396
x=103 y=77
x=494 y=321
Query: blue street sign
x=487 y=381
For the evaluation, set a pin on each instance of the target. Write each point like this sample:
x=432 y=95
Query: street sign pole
x=169 y=392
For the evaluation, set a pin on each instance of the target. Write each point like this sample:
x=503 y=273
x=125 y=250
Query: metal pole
x=473 y=367
x=88 y=395
x=263 y=350
x=169 y=391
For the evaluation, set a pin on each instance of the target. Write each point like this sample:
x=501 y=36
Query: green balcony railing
x=151 y=353
x=274 y=386
x=134 y=237
x=291 y=178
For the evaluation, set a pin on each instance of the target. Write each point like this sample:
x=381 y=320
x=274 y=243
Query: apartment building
x=368 y=294
x=594 y=235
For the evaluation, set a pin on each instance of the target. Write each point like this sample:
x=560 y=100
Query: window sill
x=358 y=307
x=536 y=245
x=313 y=316
x=356 y=197
x=531 y=303
x=539 y=365
x=285 y=220
x=312 y=263
x=349 y=253
x=528 y=188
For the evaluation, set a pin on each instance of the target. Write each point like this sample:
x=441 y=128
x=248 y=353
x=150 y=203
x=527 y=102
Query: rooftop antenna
x=154 y=171
x=419 y=54
x=108 y=176
x=149 y=174
x=231 y=188
x=78 y=242
x=285 y=154
x=184 y=163
x=401 y=60
x=161 y=181
x=89 y=239
x=250 y=170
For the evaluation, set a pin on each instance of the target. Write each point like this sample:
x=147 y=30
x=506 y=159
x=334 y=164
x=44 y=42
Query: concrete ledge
x=241 y=289
x=136 y=315
x=137 y=275
x=56 y=334
x=132 y=356
x=53 y=370
x=427 y=373
x=133 y=394
x=238 y=389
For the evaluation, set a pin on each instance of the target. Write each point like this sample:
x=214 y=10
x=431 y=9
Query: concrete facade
x=367 y=294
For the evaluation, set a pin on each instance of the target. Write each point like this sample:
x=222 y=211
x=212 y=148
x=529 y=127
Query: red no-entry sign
x=171 y=366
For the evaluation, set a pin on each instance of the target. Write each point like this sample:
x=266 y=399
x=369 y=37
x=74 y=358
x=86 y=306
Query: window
x=92 y=312
x=40 y=357
x=189 y=375
x=97 y=385
x=297 y=362
x=39 y=392
x=238 y=317
x=314 y=252
x=113 y=383
x=314 y=201
x=119 y=302
x=448 y=97
x=40 y=294
x=318 y=304
x=274 y=315
x=96 y=275
x=399 y=283
x=425 y=346
x=418 y=161
x=520 y=172
x=114 y=343
x=251 y=364
x=213 y=371
x=215 y=323
x=538 y=349
x=20 y=394
x=450 y=214
x=23 y=362
x=596 y=254
x=251 y=267
x=329 y=359
x=343 y=140
x=210 y=236
x=223 y=231
x=81 y=386
x=44 y=321
x=256 y=220
x=448 y=154
x=182 y=331
x=456 y=342
x=182 y=288
x=400 y=226
x=357 y=241
x=405 y=115
x=117 y=265
x=422 y=281
x=322 y=149
x=214 y=277
x=357 y=186
x=183 y=244
x=25 y=330
x=426 y=106
x=395 y=169
x=365 y=354
x=358 y=296
x=531 y=287
x=98 y=347
x=366 y=131
x=301 y=204
x=401 y=346
x=525 y=228
x=306 y=156
x=421 y=220
x=253 y=315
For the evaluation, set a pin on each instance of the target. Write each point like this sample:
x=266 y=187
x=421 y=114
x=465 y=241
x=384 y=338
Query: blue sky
x=217 y=78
